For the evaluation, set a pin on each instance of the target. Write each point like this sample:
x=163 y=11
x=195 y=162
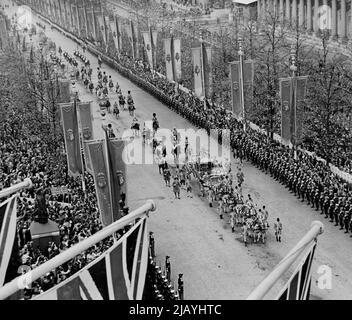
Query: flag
x=131 y=37
x=154 y=35
x=148 y=47
x=107 y=29
x=207 y=70
x=82 y=18
x=113 y=27
x=118 y=33
x=300 y=98
x=72 y=139
x=117 y=170
x=235 y=88
x=118 y=274
x=248 y=80
x=197 y=71
x=177 y=59
x=286 y=108
x=168 y=59
x=8 y=218
x=86 y=126
x=90 y=21
x=75 y=17
x=109 y=176
x=298 y=287
x=4 y=40
x=101 y=28
x=64 y=94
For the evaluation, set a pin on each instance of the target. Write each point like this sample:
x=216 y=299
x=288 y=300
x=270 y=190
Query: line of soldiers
x=334 y=201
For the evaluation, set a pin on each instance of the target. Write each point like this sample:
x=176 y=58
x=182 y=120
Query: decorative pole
x=293 y=68
x=241 y=54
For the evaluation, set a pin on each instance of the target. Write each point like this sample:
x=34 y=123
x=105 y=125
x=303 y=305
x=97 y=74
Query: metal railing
x=26 y=184
x=15 y=285
x=260 y=291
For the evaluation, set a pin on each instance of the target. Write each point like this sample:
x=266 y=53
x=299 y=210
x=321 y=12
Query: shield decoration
x=148 y=47
x=235 y=86
x=86 y=133
x=101 y=180
x=286 y=105
x=177 y=56
x=120 y=177
x=196 y=70
x=70 y=135
x=168 y=58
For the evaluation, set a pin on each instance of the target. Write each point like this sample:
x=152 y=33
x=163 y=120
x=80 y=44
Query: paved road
x=215 y=263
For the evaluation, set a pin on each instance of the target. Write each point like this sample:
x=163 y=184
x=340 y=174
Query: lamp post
x=241 y=54
x=293 y=68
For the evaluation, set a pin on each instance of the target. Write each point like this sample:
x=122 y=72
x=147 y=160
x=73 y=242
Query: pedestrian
x=278 y=229
x=168 y=268
x=189 y=188
x=180 y=286
x=176 y=187
x=167 y=176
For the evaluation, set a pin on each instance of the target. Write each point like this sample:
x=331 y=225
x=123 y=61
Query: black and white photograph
x=176 y=154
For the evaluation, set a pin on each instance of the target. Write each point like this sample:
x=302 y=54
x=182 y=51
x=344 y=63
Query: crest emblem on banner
x=177 y=56
x=286 y=106
x=235 y=85
x=148 y=47
x=70 y=135
x=101 y=180
x=121 y=177
x=196 y=70
x=114 y=34
x=168 y=58
x=86 y=133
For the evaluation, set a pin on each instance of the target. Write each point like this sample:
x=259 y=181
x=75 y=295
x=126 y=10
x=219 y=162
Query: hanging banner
x=90 y=22
x=97 y=151
x=197 y=71
x=107 y=30
x=177 y=59
x=248 y=80
x=113 y=28
x=208 y=75
x=72 y=139
x=118 y=33
x=86 y=126
x=82 y=19
x=286 y=108
x=101 y=28
x=155 y=38
x=69 y=15
x=300 y=105
x=168 y=59
x=4 y=38
x=148 y=47
x=235 y=89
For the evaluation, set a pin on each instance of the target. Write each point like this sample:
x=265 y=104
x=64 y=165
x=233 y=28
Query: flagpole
x=26 y=184
x=293 y=68
x=28 y=278
x=81 y=149
x=260 y=291
x=240 y=53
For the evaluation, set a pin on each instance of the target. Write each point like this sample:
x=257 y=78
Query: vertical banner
x=117 y=169
x=107 y=30
x=286 y=108
x=62 y=13
x=67 y=4
x=235 y=88
x=4 y=40
x=113 y=28
x=154 y=35
x=86 y=126
x=101 y=28
x=168 y=59
x=90 y=21
x=72 y=139
x=177 y=59
x=64 y=94
x=131 y=37
x=148 y=47
x=74 y=16
x=207 y=69
x=248 y=80
x=97 y=152
x=81 y=18
x=300 y=98
x=197 y=71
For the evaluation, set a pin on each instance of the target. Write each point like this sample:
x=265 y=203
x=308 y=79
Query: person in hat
x=176 y=187
x=278 y=229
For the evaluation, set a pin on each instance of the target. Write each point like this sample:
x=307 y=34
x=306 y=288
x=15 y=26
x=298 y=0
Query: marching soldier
x=278 y=229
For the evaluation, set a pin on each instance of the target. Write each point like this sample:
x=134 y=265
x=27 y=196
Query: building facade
x=312 y=15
